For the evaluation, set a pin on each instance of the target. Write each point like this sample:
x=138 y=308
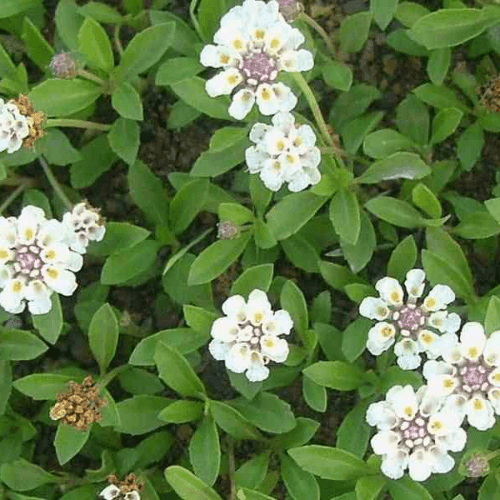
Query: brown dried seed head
x=490 y=96
x=130 y=483
x=80 y=406
x=35 y=119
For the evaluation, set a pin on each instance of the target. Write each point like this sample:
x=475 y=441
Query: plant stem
x=333 y=150
x=53 y=182
x=106 y=379
x=91 y=77
x=232 y=471
x=118 y=43
x=319 y=29
x=196 y=24
x=12 y=196
x=67 y=122
x=313 y=104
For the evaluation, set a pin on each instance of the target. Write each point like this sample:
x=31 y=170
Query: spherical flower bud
x=63 y=65
x=475 y=464
x=290 y=9
x=227 y=230
x=247 y=338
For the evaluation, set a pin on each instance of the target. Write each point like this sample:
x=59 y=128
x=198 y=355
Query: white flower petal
x=390 y=291
x=415 y=282
x=472 y=340
x=374 y=308
x=238 y=358
x=223 y=83
x=419 y=465
x=480 y=413
x=393 y=466
x=60 y=280
x=219 y=349
x=242 y=103
x=257 y=370
x=111 y=492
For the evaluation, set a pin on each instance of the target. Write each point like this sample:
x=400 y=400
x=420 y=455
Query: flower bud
x=290 y=9
x=63 y=66
x=474 y=464
x=227 y=230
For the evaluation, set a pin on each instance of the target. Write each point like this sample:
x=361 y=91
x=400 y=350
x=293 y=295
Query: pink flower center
x=474 y=376
x=27 y=261
x=410 y=319
x=258 y=67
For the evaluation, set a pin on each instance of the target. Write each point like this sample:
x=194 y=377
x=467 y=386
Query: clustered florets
x=39 y=256
x=247 y=337
x=63 y=65
x=128 y=489
x=284 y=152
x=415 y=326
x=254 y=43
x=415 y=432
x=80 y=406
x=20 y=124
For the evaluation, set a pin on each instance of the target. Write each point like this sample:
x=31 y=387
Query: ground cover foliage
x=284 y=281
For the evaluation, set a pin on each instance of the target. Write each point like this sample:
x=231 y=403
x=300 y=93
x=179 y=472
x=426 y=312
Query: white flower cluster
x=468 y=380
x=37 y=259
x=112 y=492
x=253 y=44
x=415 y=432
x=284 y=152
x=416 y=326
x=14 y=127
x=87 y=225
x=247 y=337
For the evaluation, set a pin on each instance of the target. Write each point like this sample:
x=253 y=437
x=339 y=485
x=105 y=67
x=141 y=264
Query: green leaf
x=407 y=489
x=177 y=69
x=369 y=487
x=354 y=31
x=408 y=13
x=293 y=301
x=439 y=97
x=395 y=212
x=477 y=225
x=354 y=433
x=314 y=395
x=103 y=336
x=185 y=39
x=18 y=345
x=41 y=386
x=451 y=27
x=200 y=320
x=354 y=132
x=50 y=324
x=101 y=12
x=402 y=259
x=383 y=11
x=192 y=91
x=438 y=65
x=180 y=412
x=176 y=372
x=127 y=102
x=98 y=157
x=426 y=200
x=445 y=123
x=94 y=44
x=187 y=204
x=354 y=338
x=57 y=148
x=145 y=49
x=216 y=258
x=124 y=139
x=440 y=270
x=385 y=142
x=37 y=47
x=21 y=475
x=329 y=463
x=259 y=277
x=188 y=486
x=345 y=216
x=139 y=414
x=204 y=451
x=267 y=412
x=299 y=483
x=119 y=235
x=337 y=75
x=128 y=263
x=5 y=385
x=292 y=212
x=301 y=434
x=63 y=97
x=68 y=22
x=233 y=422
x=412 y=119
x=68 y=442
x=396 y=166
x=359 y=254
x=336 y=375
x=469 y=146
x=492 y=319
x=337 y=276
x=253 y=472
x=148 y=193
x=10 y=8
x=401 y=42
x=301 y=253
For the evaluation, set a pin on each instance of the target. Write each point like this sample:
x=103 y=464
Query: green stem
x=91 y=77
x=53 y=182
x=106 y=379
x=12 y=197
x=319 y=29
x=313 y=104
x=194 y=20
x=333 y=150
x=118 y=43
x=68 y=122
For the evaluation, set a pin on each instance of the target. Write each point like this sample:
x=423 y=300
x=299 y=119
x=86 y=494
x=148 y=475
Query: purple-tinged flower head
x=416 y=326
